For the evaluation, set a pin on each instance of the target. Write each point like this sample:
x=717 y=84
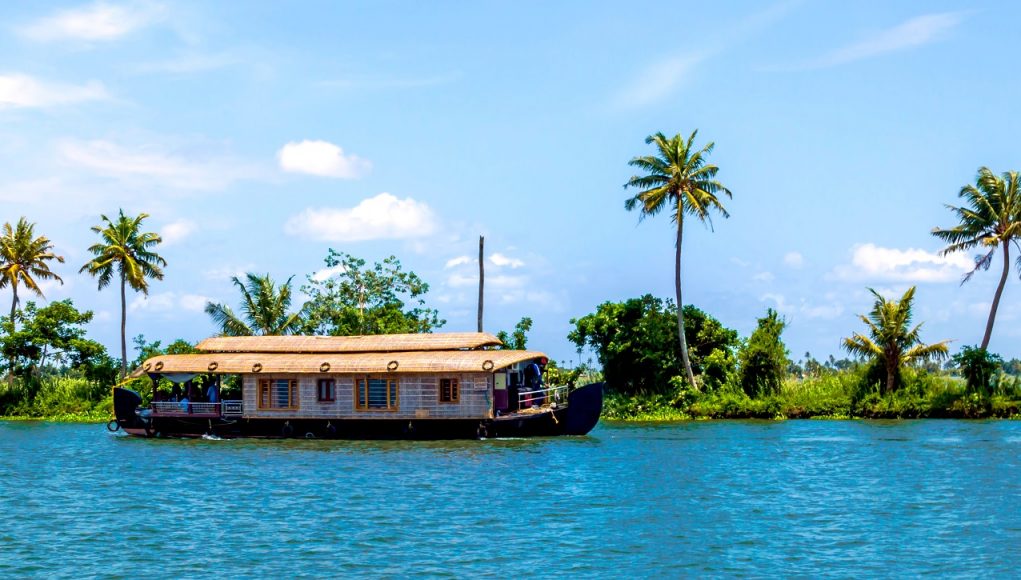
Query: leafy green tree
x=680 y=180
x=892 y=341
x=264 y=309
x=24 y=260
x=978 y=367
x=636 y=343
x=129 y=253
x=990 y=219
x=54 y=336
x=763 y=361
x=518 y=340
x=355 y=300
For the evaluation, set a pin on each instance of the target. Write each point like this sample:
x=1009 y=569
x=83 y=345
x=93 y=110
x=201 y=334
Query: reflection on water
x=704 y=498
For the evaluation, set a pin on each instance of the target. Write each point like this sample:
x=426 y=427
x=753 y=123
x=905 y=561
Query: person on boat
x=175 y=393
x=212 y=394
x=533 y=382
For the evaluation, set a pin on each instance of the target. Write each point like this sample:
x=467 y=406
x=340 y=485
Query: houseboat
x=428 y=386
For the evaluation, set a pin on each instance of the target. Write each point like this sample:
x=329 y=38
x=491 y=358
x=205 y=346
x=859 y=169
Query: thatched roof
x=455 y=361
x=339 y=344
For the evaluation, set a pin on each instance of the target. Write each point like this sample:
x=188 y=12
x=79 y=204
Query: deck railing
x=176 y=408
x=542 y=397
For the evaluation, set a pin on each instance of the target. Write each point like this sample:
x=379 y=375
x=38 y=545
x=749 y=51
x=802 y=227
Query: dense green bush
x=763 y=359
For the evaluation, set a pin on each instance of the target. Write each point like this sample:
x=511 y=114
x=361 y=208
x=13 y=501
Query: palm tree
x=23 y=259
x=679 y=179
x=129 y=251
x=991 y=218
x=893 y=343
x=263 y=309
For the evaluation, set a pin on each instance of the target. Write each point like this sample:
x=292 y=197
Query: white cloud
x=153 y=165
x=224 y=273
x=381 y=217
x=99 y=21
x=917 y=31
x=763 y=277
x=794 y=260
x=824 y=311
x=870 y=262
x=169 y=302
x=496 y=282
x=175 y=232
x=321 y=158
x=499 y=260
x=455 y=262
x=23 y=91
x=327 y=273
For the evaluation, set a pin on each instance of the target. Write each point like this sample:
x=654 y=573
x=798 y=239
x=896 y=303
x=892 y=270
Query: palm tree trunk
x=14 y=310
x=482 y=278
x=680 y=306
x=891 y=374
x=124 y=328
x=996 y=297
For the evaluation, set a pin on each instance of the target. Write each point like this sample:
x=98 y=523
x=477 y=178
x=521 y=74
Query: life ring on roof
x=487 y=365
x=212 y=366
x=147 y=366
x=324 y=368
x=257 y=368
x=392 y=365
x=159 y=366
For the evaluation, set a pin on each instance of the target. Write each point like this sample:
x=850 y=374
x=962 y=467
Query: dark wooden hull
x=577 y=418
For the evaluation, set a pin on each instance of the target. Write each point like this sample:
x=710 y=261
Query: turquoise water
x=721 y=498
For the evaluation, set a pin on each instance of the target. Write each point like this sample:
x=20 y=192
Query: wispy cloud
x=664 y=77
x=99 y=21
x=154 y=165
x=24 y=91
x=912 y=33
x=178 y=231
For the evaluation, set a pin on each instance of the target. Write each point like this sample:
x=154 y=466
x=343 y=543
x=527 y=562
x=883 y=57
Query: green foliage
x=353 y=299
x=23 y=259
x=517 y=340
x=636 y=343
x=264 y=309
x=763 y=360
x=978 y=367
x=892 y=342
x=61 y=398
x=53 y=337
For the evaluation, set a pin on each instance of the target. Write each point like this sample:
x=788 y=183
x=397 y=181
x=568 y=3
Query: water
x=719 y=499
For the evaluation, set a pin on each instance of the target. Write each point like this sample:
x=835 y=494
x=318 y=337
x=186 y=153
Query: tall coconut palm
x=990 y=219
x=680 y=180
x=891 y=339
x=24 y=260
x=128 y=252
x=263 y=309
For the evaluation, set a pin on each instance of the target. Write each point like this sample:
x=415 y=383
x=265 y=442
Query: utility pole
x=482 y=276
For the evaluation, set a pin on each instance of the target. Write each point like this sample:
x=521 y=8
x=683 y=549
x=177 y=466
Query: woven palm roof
x=460 y=361
x=340 y=344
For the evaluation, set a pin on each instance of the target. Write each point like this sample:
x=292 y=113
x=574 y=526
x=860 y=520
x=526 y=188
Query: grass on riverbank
x=830 y=396
x=55 y=398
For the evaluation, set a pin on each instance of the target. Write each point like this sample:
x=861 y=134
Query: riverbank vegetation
x=660 y=359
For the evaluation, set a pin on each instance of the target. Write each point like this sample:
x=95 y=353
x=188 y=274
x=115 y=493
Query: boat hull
x=577 y=418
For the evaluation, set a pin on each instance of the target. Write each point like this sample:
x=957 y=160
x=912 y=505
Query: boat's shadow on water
x=374 y=446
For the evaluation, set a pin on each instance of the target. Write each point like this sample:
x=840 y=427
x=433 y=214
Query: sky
x=258 y=135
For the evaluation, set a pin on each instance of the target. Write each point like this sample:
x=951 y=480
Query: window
x=373 y=393
x=450 y=391
x=326 y=390
x=278 y=394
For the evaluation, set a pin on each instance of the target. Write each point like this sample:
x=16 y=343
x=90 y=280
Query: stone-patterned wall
x=418 y=398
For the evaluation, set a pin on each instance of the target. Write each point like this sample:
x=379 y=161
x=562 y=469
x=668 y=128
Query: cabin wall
x=418 y=398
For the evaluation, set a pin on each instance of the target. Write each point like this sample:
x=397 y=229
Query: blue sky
x=258 y=135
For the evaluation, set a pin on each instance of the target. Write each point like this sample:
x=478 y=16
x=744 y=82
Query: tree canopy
x=636 y=343
x=265 y=309
x=352 y=299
